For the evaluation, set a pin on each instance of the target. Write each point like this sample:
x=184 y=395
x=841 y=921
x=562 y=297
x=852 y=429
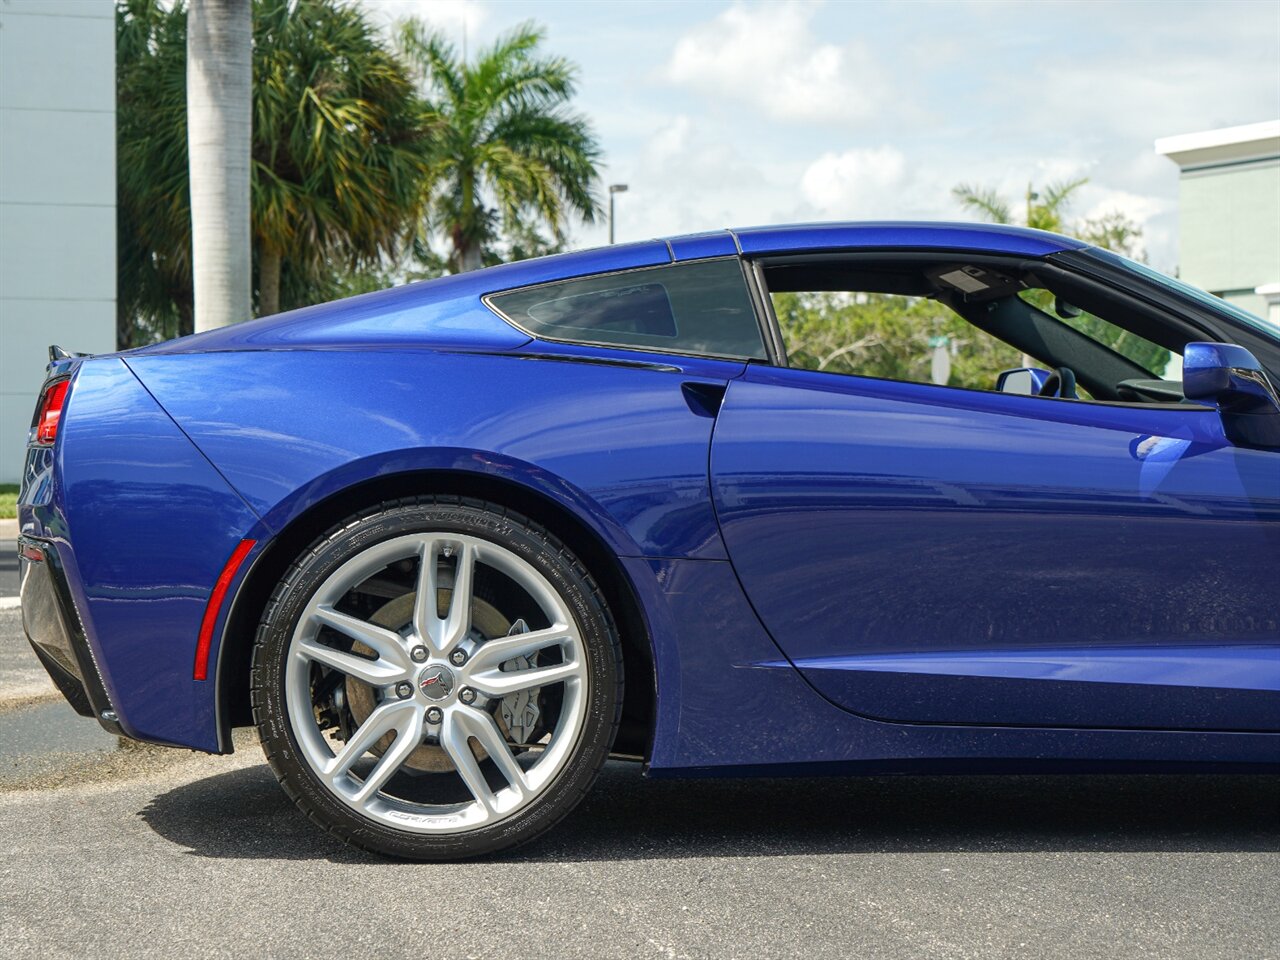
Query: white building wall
x=1229 y=210
x=57 y=197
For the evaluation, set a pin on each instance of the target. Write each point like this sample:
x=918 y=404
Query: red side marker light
x=214 y=606
x=51 y=412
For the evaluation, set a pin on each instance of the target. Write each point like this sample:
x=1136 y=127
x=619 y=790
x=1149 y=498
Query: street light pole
x=614 y=188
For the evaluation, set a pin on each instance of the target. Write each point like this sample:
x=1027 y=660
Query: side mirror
x=1025 y=381
x=1232 y=379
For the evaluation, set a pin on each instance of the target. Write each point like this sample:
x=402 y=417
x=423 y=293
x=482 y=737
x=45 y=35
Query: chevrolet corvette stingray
x=828 y=498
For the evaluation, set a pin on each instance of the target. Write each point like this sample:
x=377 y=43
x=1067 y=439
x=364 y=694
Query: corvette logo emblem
x=436 y=683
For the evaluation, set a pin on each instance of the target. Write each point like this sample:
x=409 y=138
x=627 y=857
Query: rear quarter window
x=695 y=308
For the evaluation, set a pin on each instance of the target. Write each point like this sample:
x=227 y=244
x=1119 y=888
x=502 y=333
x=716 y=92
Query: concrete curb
x=8 y=529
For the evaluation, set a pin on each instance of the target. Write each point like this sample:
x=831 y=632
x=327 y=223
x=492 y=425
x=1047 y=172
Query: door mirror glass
x=1025 y=381
x=1232 y=379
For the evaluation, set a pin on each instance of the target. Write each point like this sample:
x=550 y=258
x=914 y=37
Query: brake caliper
x=520 y=711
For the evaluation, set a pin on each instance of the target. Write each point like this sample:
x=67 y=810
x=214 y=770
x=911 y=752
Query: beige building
x=1229 y=213
x=57 y=197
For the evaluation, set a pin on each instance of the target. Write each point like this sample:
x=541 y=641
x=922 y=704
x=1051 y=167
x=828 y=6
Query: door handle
x=704 y=399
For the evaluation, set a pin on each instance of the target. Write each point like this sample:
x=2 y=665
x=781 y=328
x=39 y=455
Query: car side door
x=929 y=554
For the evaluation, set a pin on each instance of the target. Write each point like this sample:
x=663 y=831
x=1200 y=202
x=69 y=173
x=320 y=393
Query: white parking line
x=10 y=603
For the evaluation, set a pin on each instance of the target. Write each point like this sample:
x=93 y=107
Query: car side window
x=889 y=336
x=701 y=308
x=963 y=324
x=1160 y=362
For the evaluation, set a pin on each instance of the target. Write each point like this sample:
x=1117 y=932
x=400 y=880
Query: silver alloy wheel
x=405 y=713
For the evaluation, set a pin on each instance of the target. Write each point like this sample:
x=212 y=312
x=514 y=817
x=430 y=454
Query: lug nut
x=434 y=715
x=419 y=654
x=467 y=695
x=458 y=657
x=404 y=689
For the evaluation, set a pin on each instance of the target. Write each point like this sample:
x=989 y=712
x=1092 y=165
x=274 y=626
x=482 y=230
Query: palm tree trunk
x=466 y=242
x=470 y=258
x=219 y=118
x=268 y=281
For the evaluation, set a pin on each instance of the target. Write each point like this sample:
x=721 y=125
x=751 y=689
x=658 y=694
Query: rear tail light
x=50 y=412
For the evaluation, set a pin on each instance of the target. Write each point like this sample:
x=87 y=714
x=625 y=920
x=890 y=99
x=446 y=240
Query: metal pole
x=614 y=188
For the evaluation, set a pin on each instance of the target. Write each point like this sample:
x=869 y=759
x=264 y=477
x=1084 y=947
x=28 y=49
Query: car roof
x=396 y=316
x=895 y=234
x=762 y=241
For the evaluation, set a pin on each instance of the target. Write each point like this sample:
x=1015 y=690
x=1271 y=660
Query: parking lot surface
x=123 y=851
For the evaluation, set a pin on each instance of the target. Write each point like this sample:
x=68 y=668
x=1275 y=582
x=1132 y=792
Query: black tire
x=482 y=520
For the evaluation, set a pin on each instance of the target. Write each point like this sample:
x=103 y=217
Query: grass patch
x=8 y=501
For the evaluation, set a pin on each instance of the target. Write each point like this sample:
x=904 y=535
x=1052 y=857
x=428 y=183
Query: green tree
x=153 y=203
x=338 y=159
x=507 y=155
x=338 y=150
x=1047 y=210
x=1113 y=231
x=885 y=335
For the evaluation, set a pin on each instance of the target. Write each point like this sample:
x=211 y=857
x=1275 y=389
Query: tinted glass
x=1202 y=297
x=696 y=308
x=891 y=337
x=1151 y=357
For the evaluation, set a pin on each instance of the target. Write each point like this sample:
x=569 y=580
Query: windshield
x=1201 y=297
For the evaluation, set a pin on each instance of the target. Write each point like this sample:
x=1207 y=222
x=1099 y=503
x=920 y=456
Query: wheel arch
x=235 y=651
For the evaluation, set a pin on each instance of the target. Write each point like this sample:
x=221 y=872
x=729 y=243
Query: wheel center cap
x=436 y=682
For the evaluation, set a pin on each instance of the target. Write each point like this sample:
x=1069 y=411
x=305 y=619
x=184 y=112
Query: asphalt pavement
x=8 y=568
x=117 y=851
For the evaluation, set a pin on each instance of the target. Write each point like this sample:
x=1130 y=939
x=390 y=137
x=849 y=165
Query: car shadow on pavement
x=244 y=814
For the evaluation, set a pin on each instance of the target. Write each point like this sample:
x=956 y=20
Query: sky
x=734 y=114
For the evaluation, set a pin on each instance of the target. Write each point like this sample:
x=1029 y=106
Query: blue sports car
x=831 y=498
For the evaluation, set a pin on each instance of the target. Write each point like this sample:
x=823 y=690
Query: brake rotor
x=361 y=700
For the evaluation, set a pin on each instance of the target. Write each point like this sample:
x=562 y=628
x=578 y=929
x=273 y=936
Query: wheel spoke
x=458 y=623
x=385 y=643
x=387 y=716
x=426 y=621
x=493 y=653
x=455 y=738
x=495 y=683
x=442 y=635
x=373 y=672
x=408 y=737
x=483 y=727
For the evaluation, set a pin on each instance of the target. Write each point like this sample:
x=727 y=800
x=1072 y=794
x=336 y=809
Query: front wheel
x=437 y=679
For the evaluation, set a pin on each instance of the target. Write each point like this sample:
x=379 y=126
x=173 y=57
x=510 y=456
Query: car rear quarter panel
x=622 y=447
x=142 y=524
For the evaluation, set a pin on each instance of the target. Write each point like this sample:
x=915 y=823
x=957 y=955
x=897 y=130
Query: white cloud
x=860 y=183
x=1103 y=200
x=457 y=18
x=688 y=177
x=767 y=56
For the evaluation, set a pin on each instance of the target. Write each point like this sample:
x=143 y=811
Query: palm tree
x=507 y=152
x=153 y=201
x=337 y=159
x=1044 y=210
x=1113 y=231
x=219 y=91
x=338 y=145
